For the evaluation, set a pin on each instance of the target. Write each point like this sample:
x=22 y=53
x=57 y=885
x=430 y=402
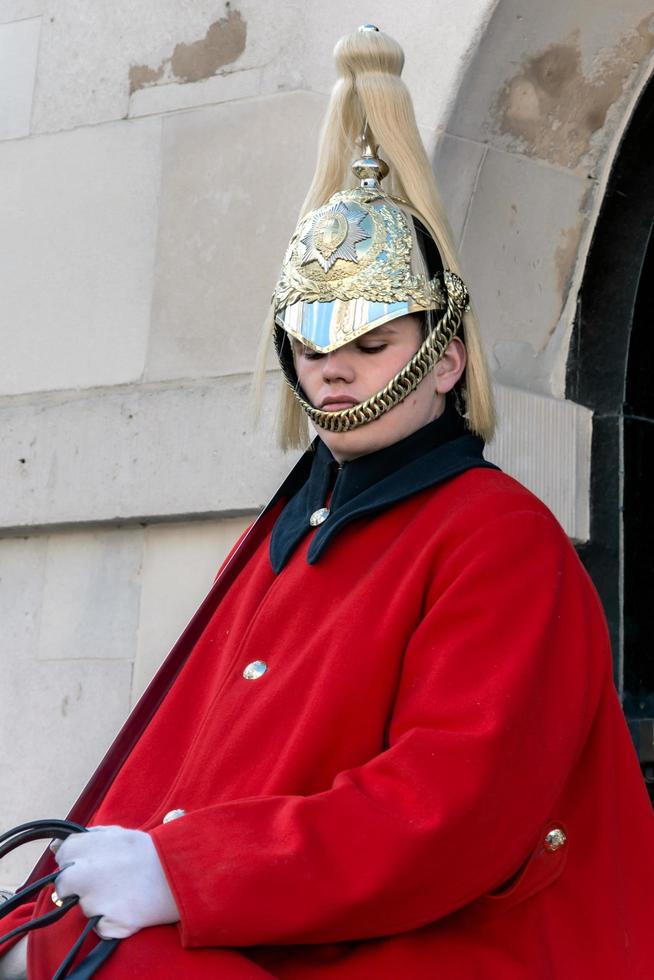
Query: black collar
x=372 y=483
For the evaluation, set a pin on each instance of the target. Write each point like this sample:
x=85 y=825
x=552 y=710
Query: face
x=357 y=370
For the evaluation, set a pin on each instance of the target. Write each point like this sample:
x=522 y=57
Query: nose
x=337 y=366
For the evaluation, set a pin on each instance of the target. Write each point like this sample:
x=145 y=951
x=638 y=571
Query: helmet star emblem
x=334 y=234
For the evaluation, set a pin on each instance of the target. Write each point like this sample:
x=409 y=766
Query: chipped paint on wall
x=551 y=108
x=223 y=42
x=565 y=256
x=141 y=76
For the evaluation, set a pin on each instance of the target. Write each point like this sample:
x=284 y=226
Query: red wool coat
x=438 y=698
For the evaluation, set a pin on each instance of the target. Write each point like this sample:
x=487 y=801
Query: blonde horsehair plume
x=370 y=91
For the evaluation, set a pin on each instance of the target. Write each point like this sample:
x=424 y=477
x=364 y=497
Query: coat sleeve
x=498 y=689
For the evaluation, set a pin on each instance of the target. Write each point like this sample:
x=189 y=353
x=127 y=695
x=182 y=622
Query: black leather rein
x=47 y=830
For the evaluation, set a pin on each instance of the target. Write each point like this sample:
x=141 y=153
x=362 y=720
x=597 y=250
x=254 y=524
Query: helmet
x=366 y=254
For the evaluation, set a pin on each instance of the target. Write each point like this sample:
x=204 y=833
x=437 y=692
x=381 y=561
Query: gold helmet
x=361 y=256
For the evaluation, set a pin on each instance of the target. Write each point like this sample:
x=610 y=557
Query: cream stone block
x=180 y=563
x=56 y=722
x=233 y=180
x=140 y=453
x=91 y=595
x=545 y=443
x=22 y=568
x=19 y=46
x=553 y=81
x=225 y=87
x=520 y=240
x=457 y=163
x=77 y=236
x=11 y=10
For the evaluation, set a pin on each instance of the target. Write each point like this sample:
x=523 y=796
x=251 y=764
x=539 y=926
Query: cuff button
x=555 y=839
x=255 y=670
x=173 y=815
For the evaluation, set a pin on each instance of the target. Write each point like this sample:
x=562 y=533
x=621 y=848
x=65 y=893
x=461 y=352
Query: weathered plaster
x=226 y=86
x=552 y=107
x=12 y=10
x=86 y=52
x=548 y=94
x=222 y=44
x=19 y=46
x=142 y=76
x=565 y=257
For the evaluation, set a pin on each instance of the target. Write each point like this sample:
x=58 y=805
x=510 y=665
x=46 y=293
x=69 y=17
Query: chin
x=390 y=428
x=348 y=445
x=361 y=441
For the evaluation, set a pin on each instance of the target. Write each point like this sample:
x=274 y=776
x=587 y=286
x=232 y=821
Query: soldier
x=389 y=744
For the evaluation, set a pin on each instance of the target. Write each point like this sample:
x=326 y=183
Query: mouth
x=337 y=402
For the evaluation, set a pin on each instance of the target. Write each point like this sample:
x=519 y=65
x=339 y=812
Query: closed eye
x=314 y=355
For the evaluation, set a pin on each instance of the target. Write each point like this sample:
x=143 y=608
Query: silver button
x=319 y=516
x=173 y=815
x=555 y=839
x=255 y=670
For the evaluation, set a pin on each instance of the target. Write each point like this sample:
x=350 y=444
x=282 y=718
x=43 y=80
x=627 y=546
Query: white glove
x=13 y=965
x=117 y=874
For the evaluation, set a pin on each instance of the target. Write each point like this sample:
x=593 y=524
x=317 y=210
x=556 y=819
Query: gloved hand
x=13 y=965
x=117 y=874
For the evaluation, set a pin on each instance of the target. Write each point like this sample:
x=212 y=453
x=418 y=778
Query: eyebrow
x=383 y=328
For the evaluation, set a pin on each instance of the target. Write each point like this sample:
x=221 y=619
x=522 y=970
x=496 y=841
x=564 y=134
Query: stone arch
x=610 y=369
x=524 y=160
x=551 y=117
x=541 y=110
